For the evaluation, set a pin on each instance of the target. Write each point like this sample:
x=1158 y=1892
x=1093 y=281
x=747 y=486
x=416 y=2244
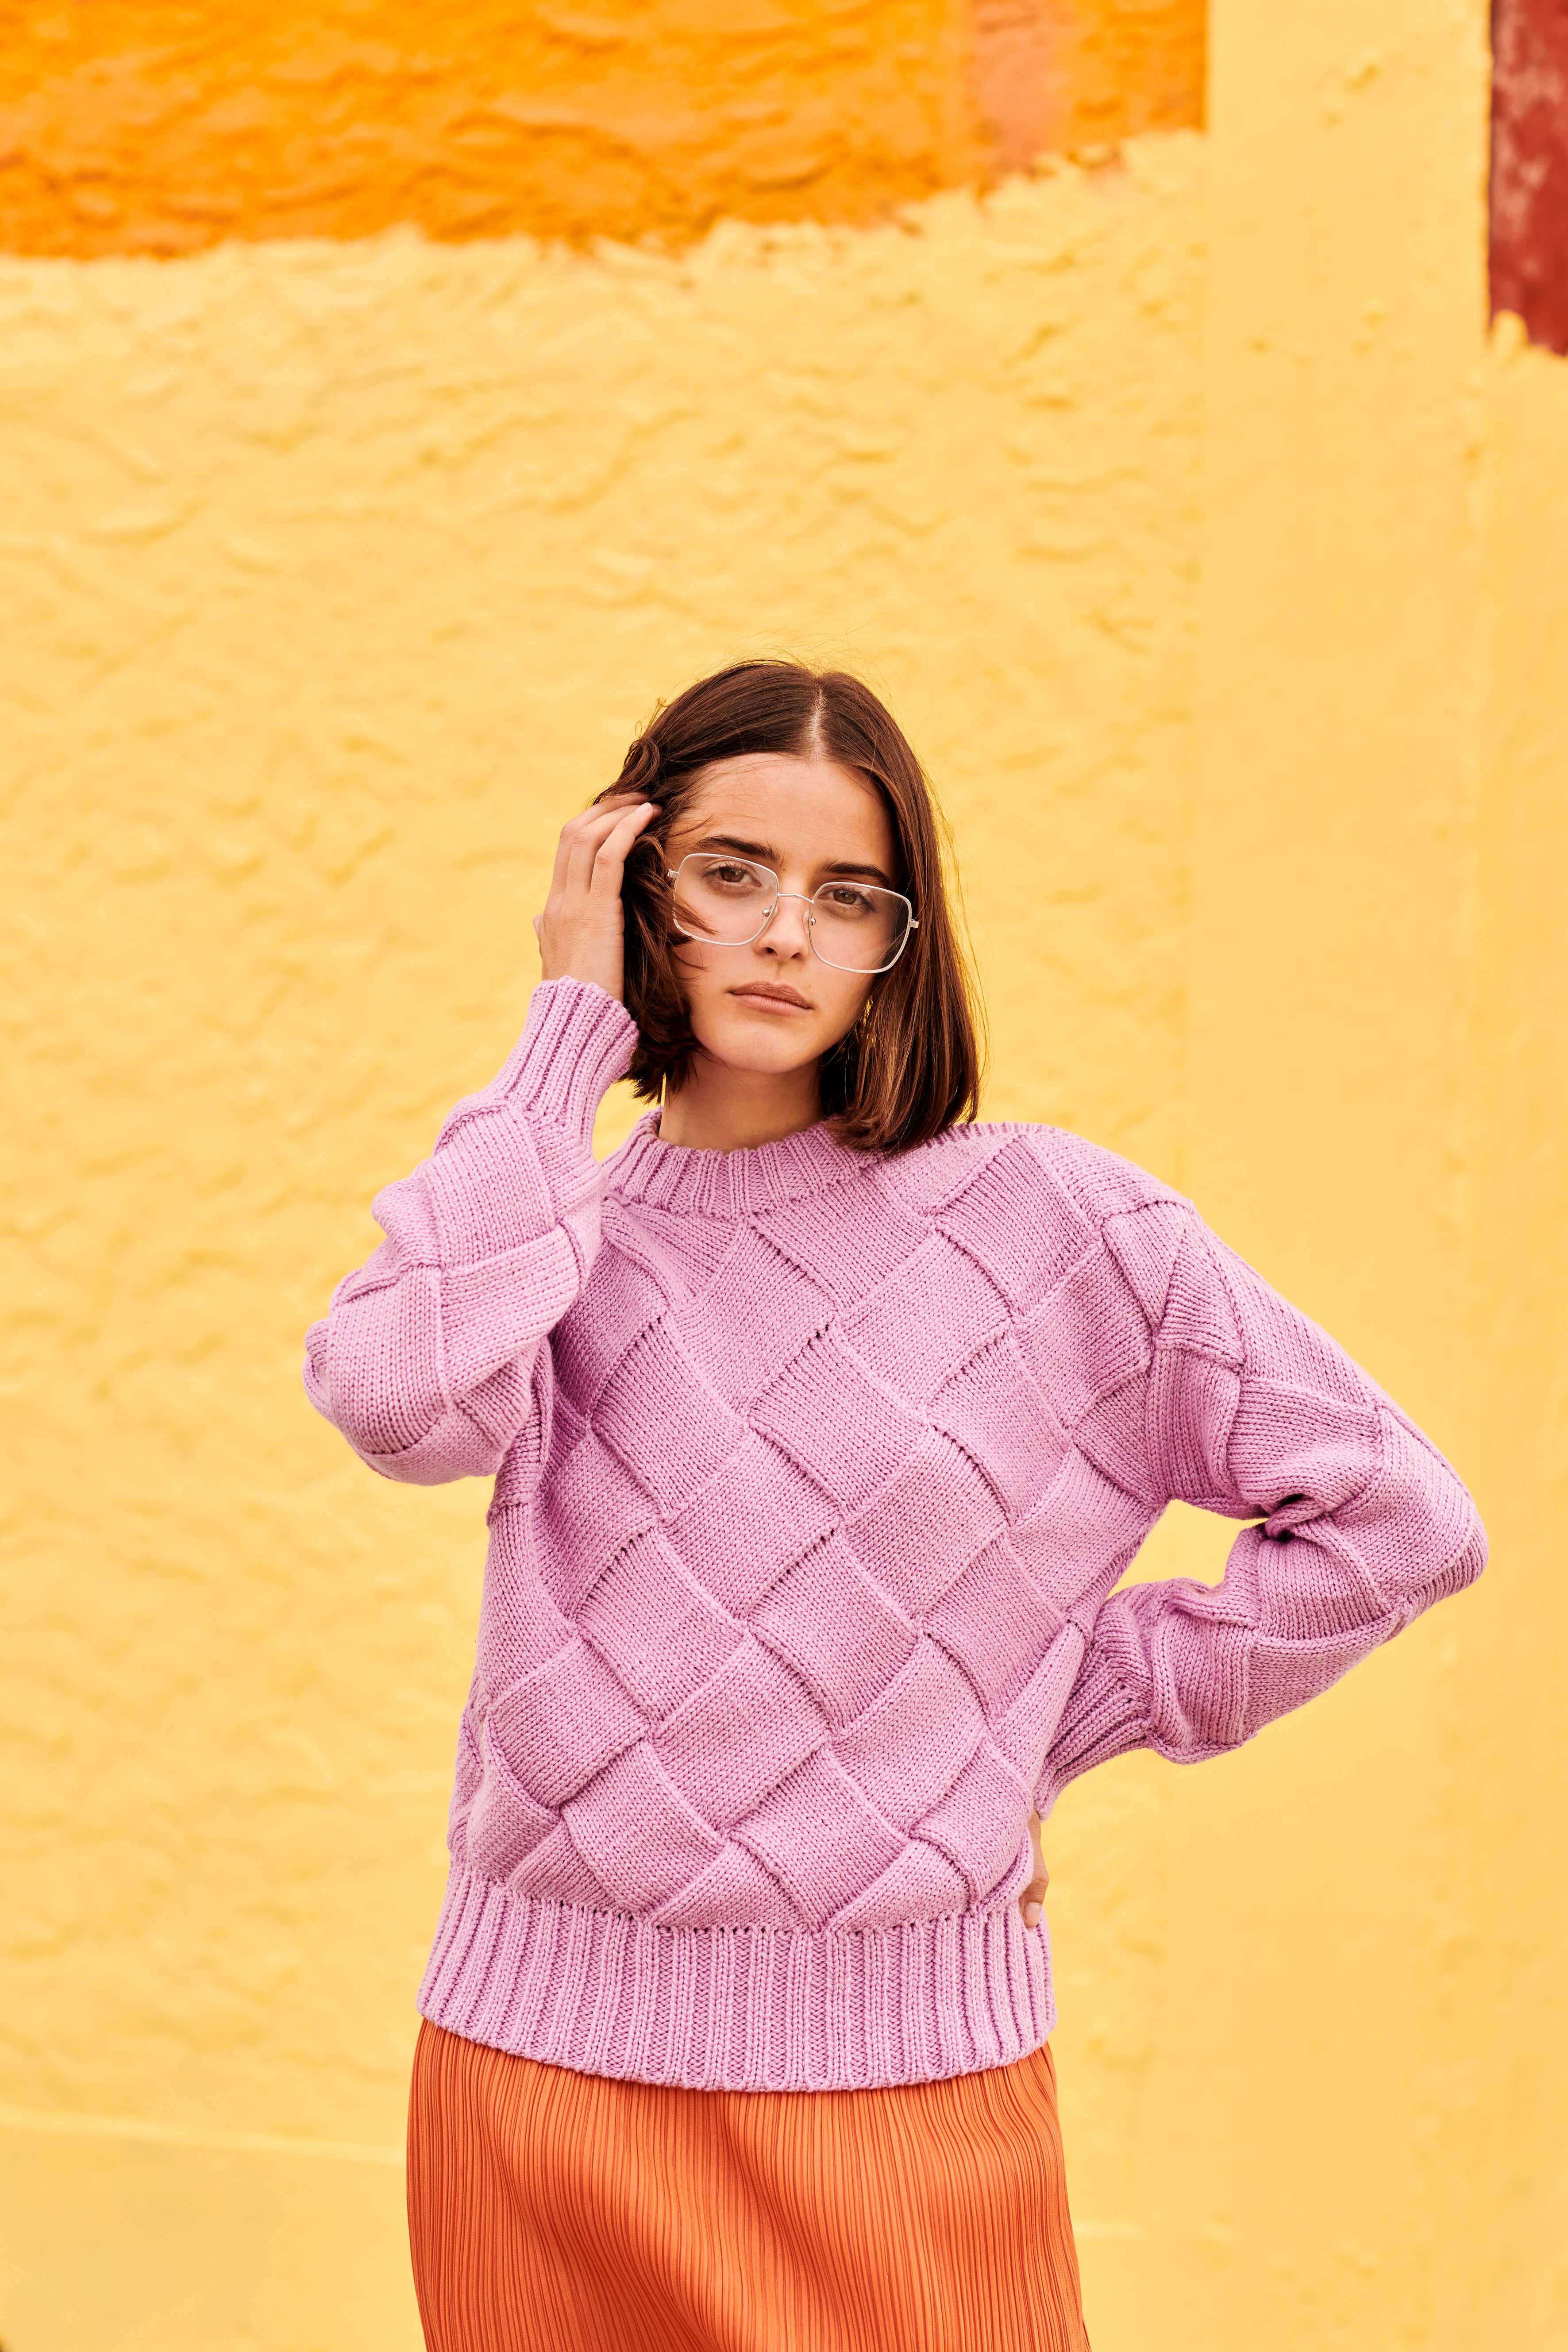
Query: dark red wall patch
x=1530 y=166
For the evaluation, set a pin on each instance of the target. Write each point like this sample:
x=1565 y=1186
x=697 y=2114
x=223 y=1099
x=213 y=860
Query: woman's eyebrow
x=732 y=841
x=849 y=867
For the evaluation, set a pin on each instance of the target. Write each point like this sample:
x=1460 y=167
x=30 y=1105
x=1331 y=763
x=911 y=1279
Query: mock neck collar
x=729 y=1183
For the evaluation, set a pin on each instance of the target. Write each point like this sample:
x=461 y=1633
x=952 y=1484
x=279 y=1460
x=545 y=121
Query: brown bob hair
x=911 y=1066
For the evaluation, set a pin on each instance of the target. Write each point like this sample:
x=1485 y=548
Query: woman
x=823 y=1424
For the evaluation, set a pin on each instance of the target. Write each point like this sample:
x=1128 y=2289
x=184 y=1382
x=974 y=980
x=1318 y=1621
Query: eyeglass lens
x=728 y=901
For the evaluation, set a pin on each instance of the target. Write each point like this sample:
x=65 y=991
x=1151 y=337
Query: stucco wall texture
x=1210 y=548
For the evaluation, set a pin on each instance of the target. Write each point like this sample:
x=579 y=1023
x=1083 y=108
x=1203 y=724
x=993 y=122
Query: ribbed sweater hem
x=737 y=2009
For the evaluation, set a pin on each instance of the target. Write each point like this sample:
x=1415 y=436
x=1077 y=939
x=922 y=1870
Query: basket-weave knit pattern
x=815 y=1472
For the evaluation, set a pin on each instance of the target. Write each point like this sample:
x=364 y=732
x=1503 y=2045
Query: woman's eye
x=731 y=877
x=843 y=899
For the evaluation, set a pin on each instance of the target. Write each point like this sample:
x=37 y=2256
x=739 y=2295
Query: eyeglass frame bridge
x=779 y=896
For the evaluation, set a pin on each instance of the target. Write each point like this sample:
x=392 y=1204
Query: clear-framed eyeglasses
x=727 y=902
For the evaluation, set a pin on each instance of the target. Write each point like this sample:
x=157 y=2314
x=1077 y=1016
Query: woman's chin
x=745 y=1047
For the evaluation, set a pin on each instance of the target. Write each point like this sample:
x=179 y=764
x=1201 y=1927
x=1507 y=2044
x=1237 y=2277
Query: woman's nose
x=788 y=932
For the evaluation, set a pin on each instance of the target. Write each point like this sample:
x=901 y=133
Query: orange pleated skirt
x=551 y=2211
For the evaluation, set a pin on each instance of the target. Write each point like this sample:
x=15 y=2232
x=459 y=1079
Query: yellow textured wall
x=338 y=576
x=1213 y=558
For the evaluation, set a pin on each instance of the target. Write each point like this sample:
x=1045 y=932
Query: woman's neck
x=722 y=1109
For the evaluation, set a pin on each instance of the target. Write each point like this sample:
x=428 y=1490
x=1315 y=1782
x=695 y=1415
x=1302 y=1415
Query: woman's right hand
x=582 y=932
x=1033 y=1895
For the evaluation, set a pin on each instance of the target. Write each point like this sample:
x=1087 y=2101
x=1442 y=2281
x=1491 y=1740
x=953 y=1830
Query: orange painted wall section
x=159 y=127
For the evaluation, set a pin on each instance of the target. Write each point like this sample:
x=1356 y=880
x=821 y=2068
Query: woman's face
x=773 y=1006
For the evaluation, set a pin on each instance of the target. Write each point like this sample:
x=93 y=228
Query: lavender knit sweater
x=814 y=1474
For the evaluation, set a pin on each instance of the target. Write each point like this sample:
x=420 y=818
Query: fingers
x=1032 y=1899
x=610 y=859
x=598 y=860
x=606 y=834
x=580 y=838
x=583 y=833
x=580 y=930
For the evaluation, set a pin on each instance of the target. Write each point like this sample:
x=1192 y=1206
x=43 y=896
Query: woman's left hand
x=1033 y=1895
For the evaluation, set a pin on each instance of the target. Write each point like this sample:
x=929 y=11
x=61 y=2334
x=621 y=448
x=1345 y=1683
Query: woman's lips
x=773 y=1000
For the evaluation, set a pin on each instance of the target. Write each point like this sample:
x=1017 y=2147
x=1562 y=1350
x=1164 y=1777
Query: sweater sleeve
x=1249 y=1410
x=424 y=1359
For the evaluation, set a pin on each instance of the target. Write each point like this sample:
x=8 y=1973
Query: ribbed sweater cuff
x=1103 y=1718
x=576 y=1042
